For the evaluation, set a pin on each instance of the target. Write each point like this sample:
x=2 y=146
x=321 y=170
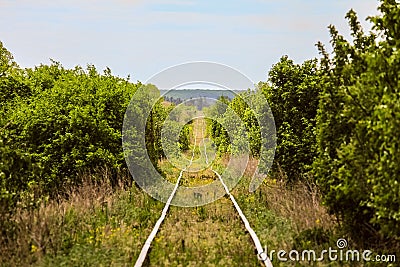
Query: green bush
x=292 y=92
x=184 y=140
x=71 y=123
x=246 y=114
x=56 y=123
x=358 y=127
x=217 y=132
x=228 y=113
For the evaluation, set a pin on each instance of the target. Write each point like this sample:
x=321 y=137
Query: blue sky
x=142 y=37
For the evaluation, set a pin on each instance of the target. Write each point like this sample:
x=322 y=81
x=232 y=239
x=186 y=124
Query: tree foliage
x=217 y=132
x=338 y=120
x=293 y=91
x=359 y=128
x=64 y=122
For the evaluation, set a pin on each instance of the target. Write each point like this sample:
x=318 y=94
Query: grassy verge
x=95 y=225
x=100 y=226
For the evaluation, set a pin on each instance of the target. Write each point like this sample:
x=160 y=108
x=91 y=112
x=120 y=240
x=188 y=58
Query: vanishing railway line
x=260 y=252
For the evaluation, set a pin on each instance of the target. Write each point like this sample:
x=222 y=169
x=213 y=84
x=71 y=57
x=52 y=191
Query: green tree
x=293 y=91
x=69 y=123
x=11 y=79
x=217 y=132
x=14 y=161
x=358 y=126
x=7 y=63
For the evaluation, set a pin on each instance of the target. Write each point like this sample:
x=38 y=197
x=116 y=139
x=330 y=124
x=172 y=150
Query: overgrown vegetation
x=337 y=122
x=66 y=198
x=358 y=127
x=293 y=95
x=57 y=123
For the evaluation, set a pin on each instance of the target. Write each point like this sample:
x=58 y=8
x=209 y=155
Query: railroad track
x=260 y=251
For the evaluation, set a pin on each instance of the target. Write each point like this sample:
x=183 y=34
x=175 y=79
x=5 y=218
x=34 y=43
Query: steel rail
x=147 y=244
x=260 y=251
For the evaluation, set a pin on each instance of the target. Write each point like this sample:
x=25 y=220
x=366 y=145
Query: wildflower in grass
x=33 y=248
x=159 y=239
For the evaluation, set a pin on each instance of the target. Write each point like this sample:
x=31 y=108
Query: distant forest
x=178 y=96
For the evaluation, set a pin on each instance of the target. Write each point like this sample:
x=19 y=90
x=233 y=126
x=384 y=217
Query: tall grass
x=93 y=224
x=97 y=224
